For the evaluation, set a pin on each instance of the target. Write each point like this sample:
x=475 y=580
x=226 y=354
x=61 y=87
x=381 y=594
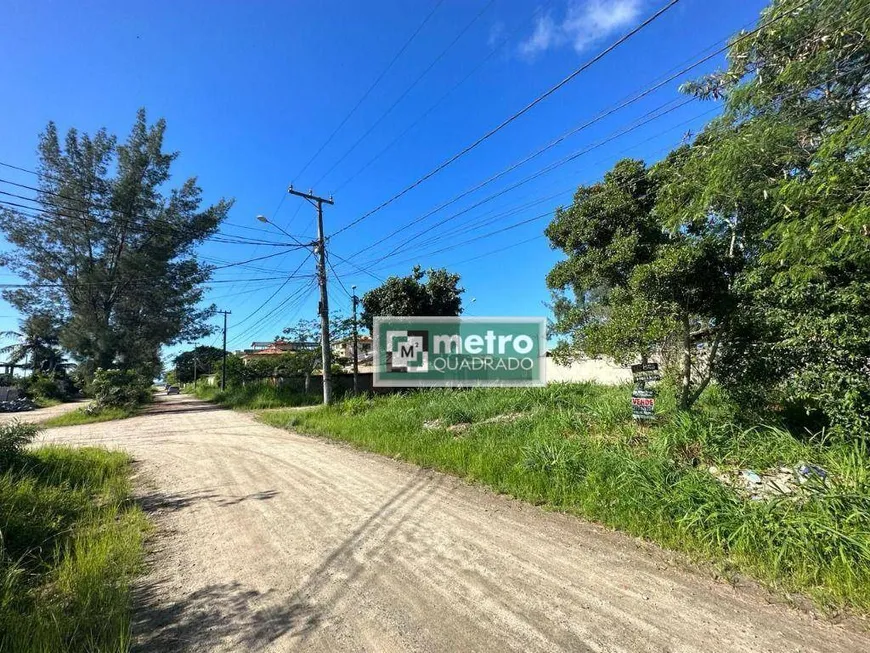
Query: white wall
x=597 y=370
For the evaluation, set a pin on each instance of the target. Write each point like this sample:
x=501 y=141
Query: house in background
x=276 y=348
x=344 y=348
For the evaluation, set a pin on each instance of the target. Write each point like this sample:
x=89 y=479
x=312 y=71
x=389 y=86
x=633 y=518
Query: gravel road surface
x=41 y=414
x=271 y=541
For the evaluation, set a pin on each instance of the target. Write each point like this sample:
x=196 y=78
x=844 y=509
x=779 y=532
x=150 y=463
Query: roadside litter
x=770 y=483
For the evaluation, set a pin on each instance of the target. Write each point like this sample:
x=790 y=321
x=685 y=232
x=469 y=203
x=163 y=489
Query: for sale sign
x=643 y=397
x=643 y=404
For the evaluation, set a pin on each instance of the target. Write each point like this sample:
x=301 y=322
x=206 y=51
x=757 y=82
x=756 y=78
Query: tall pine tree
x=110 y=250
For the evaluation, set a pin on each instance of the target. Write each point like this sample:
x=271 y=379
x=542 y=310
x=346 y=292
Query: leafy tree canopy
x=787 y=165
x=635 y=287
x=439 y=295
x=754 y=237
x=115 y=247
x=208 y=359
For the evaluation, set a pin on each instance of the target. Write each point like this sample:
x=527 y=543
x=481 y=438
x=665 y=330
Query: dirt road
x=41 y=414
x=270 y=541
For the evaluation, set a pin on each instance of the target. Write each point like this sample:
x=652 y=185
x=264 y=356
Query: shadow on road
x=179 y=612
x=166 y=408
x=229 y=616
x=162 y=502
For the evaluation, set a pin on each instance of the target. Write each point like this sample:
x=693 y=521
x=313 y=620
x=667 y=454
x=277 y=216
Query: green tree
x=208 y=359
x=305 y=362
x=112 y=248
x=785 y=168
x=38 y=342
x=766 y=248
x=238 y=372
x=630 y=286
x=439 y=295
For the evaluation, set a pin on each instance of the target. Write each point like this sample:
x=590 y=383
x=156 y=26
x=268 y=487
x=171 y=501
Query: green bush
x=44 y=386
x=14 y=436
x=118 y=389
x=255 y=396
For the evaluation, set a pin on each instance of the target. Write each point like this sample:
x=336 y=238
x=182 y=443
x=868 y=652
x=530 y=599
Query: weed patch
x=71 y=543
x=255 y=396
x=81 y=416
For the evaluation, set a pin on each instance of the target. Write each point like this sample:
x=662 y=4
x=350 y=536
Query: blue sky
x=252 y=90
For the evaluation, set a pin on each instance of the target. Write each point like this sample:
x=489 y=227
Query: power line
x=407 y=90
x=583 y=126
x=52 y=216
x=536 y=175
x=363 y=270
x=456 y=245
x=338 y=278
x=368 y=265
x=90 y=205
x=290 y=277
x=262 y=323
x=256 y=258
x=52 y=221
x=76 y=284
x=498 y=175
x=370 y=89
x=507 y=38
x=142 y=278
x=513 y=117
x=653 y=115
x=514 y=225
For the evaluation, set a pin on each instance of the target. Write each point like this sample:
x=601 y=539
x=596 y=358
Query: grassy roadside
x=575 y=448
x=72 y=541
x=80 y=416
x=254 y=396
x=46 y=402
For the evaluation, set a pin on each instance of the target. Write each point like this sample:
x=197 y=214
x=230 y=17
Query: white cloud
x=545 y=36
x=597 y=19
x=586 y=22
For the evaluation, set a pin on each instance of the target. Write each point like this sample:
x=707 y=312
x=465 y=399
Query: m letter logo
x=407 y=351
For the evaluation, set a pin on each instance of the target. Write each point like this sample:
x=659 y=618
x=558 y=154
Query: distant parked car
x=172 y=390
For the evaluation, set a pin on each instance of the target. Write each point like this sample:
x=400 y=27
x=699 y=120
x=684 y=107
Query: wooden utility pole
x=355 y=343
x=320 y=248
x=224 y=365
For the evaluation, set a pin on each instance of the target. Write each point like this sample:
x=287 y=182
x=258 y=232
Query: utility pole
x=355 y=343
x=320 y=248
x=195 y=361
x=224 y=367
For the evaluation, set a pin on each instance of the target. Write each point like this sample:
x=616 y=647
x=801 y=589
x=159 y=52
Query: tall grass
x=254 y=396
x=71 y=543
x=81 y=416
x=576 y=448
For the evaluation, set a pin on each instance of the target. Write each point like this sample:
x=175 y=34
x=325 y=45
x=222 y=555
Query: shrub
x=14 y=436
x=118 y=389
x=45 y=386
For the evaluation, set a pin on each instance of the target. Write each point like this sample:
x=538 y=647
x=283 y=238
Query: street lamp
x=265 y=220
